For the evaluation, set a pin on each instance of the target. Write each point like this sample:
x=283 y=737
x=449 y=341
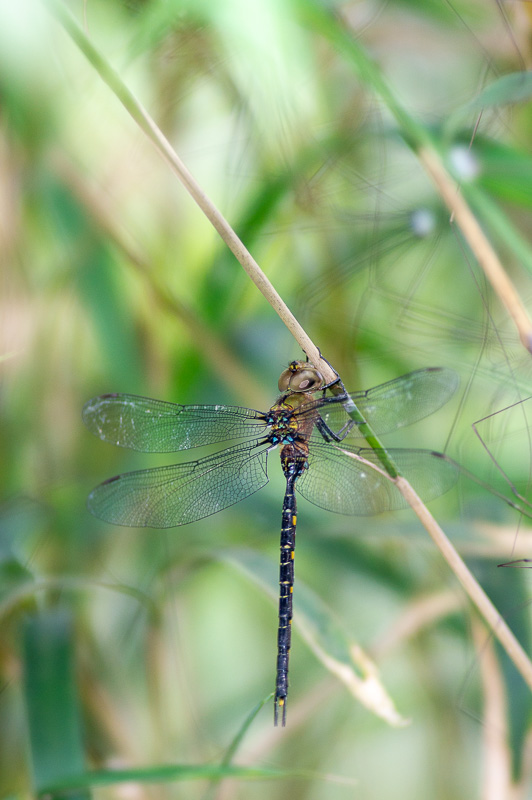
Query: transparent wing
x=394 y=404
x=337 y=482
x=168 y=496
x=154 y=426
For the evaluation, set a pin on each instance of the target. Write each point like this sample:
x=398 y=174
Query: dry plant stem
x=217 y=220
x=479 y=244
x=496 y=771
x=472 y=588
x=363 y=683
x=521 y=789
x=416 y=136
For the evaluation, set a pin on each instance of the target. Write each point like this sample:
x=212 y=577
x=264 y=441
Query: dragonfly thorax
x=284 y=424
x=289 y=426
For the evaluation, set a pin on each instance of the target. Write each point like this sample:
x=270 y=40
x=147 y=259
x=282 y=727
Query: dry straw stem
x=417 y=137
x=496 y=772
x=479 y=243
x=140 y=115
x=363 y=681
x=475 y=592
x=217 y=220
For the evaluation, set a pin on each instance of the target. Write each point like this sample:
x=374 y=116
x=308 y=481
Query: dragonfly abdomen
x=294 y=462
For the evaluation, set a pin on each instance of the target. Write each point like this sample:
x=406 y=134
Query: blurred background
x=125 y=648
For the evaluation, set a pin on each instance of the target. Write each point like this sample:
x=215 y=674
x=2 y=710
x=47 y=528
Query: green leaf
x=513 y=88
x=50 y=691
x=505 y=172
x=514 y=607
x=166 y=773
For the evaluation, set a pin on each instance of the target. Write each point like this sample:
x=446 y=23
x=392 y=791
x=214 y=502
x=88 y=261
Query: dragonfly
x=320 y=453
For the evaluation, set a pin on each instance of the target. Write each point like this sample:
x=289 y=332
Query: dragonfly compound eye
x=305 y=380
x=300 y=377
x=284 y=380
x=294 y=367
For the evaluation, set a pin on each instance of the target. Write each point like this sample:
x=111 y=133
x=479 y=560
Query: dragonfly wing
x=339 y=481
x=397 y=403
x=165 y=497
x=154 y=426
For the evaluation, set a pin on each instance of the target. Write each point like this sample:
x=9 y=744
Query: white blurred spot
x=422 y=222
x=464 y=162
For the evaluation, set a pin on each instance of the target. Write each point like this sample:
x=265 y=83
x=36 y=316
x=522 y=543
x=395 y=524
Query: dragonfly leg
x=331 y=436
x=337 y=379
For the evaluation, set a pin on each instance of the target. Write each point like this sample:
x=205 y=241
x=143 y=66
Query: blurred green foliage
x=160 y=644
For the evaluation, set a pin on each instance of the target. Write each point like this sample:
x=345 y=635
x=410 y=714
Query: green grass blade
x=416 y=136
x=513 y=88
x=50 y=691
x=235 y=744
x=167 y=773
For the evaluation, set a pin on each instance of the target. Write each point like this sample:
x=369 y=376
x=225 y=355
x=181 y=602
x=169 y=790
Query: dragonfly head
x=300 y=377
